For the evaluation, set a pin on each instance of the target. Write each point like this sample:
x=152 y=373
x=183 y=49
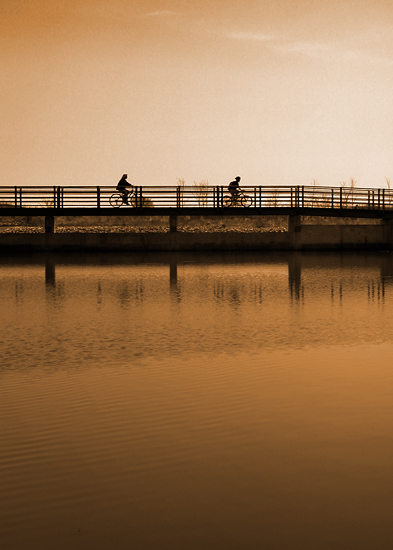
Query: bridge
x=173 y=201
x=51 y=201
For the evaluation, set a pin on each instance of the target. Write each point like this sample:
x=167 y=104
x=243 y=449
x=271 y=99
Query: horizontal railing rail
x=294 y=197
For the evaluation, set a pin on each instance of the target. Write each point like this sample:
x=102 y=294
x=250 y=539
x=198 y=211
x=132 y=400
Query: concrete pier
x=49 y=224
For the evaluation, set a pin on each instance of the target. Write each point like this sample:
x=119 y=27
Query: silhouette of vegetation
x=47 y=203
x=388 y=196
x=347 y=198
x=321 y=198
x=201 y=192
x=275 y=198
x=146 y=202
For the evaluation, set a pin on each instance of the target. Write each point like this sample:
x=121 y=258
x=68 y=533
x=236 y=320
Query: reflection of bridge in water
x=271 y=263
x=207 y=296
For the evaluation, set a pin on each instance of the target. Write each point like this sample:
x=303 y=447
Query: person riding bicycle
x=234 y=188
x=122 y=188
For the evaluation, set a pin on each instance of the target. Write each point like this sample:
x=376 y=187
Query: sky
x=280 y=92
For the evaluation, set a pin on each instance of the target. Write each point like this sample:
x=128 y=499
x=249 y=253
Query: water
x=196 y=401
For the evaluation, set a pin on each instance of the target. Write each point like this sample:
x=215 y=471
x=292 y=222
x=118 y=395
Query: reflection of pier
x=173 y=281
x=376 y=291
x=172 y=270
x=50 y=271
x=387 y=268
x=386 y=277
x=294 y=275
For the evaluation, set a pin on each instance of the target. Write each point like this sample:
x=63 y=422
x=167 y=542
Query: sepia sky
x=277 y=91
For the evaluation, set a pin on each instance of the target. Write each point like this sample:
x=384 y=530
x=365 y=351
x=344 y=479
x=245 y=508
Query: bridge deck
x=264 y=211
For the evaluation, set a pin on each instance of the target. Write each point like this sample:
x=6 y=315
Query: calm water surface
x=196 y=402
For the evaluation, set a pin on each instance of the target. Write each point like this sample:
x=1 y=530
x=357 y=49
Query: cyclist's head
x=125 y=176
x=238 y=178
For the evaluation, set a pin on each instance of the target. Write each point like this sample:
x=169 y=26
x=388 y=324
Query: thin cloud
x=333 y=50
x=373 y=59
x=315 y=50
x=250 y=36
x=162 y=13
x=310 y=49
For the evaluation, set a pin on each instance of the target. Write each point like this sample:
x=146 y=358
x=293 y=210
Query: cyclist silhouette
x=234 y=187
x=122 y=188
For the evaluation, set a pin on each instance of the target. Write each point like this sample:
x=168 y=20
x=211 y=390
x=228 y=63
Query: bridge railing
x=199 y=196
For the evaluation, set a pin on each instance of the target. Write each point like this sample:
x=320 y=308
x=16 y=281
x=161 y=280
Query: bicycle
x=118 y=199
x=237 y=199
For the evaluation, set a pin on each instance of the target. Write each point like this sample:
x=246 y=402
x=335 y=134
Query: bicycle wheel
x=116 y=200
x=227 y=201
x=246 y=201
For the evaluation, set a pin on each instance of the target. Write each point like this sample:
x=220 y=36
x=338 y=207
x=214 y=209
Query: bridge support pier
x=173 y=223
x=294 y=224
x=49 y=224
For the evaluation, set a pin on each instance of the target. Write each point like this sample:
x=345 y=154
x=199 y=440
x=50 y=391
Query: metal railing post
x=341 y=198
x=98 y=197
x=58 y=197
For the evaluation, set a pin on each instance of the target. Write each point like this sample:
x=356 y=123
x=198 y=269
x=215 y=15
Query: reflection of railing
x=300 y=197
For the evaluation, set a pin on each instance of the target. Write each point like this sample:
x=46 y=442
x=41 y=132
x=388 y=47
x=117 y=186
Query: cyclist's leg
x=129 y=194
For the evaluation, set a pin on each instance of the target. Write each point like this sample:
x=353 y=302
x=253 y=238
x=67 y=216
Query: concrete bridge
x=295 y=202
